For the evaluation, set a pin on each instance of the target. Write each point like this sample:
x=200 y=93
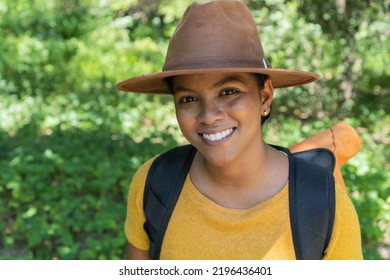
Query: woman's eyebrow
x=229 y=79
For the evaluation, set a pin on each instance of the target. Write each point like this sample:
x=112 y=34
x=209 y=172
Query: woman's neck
x=247 y=181
x=238 y=173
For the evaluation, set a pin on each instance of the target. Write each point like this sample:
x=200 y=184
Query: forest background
x=70 y=142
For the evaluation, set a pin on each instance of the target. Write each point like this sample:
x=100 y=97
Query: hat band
x=213 y=62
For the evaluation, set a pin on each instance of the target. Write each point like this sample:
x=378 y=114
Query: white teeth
x=218 y=136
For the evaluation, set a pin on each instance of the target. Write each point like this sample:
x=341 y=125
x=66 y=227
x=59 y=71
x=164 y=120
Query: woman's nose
x=210 y=112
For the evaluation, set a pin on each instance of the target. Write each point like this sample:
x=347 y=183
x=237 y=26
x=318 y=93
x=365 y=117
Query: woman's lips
x=217 y=136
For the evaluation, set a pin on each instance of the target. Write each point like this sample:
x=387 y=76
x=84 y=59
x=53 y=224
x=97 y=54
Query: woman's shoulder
x=138 y=181
x=346 y=240
x=143 y=170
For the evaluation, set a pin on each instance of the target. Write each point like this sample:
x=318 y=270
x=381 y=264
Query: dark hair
x=260 y=78
x=169 y=82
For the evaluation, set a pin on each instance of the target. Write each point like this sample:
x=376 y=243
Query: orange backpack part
x=342 y=139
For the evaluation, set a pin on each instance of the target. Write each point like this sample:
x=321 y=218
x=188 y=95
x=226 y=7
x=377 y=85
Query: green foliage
x=70 y=142
x=65 y=191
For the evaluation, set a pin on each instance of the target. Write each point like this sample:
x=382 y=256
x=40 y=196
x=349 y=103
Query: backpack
x=311 y=197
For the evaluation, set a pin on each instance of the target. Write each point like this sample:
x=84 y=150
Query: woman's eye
x=187 y=99
x=228 y=91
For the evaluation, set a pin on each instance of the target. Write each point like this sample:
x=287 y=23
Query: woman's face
x=219 y=113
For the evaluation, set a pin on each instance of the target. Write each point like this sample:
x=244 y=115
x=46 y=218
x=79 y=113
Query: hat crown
x=218 y=36
x=214 y=35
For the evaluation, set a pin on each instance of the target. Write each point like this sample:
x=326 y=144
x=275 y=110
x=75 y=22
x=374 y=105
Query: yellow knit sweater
x=202 y=229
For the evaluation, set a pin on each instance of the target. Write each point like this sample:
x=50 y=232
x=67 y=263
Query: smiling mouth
x=219 y=135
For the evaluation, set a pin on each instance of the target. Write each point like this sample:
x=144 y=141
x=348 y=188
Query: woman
x=234 y=202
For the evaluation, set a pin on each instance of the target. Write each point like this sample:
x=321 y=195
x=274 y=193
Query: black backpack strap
x=311 y=197
x=319 y=156
x=161 y=192
x=311 y=201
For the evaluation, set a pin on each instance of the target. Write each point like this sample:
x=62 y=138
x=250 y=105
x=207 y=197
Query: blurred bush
x=63 y=193
x=70 y=142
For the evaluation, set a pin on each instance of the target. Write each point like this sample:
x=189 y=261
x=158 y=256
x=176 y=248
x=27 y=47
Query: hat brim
x=155 y=83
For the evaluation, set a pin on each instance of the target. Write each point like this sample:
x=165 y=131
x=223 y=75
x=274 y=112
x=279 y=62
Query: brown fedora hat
x=218 y=36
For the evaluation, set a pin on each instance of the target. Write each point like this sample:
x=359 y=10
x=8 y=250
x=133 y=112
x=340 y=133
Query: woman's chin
x=217 y=159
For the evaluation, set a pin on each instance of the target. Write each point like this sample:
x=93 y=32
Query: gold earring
x=265 y=113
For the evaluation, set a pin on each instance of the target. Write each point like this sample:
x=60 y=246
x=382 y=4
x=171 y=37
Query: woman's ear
x=267 y=96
